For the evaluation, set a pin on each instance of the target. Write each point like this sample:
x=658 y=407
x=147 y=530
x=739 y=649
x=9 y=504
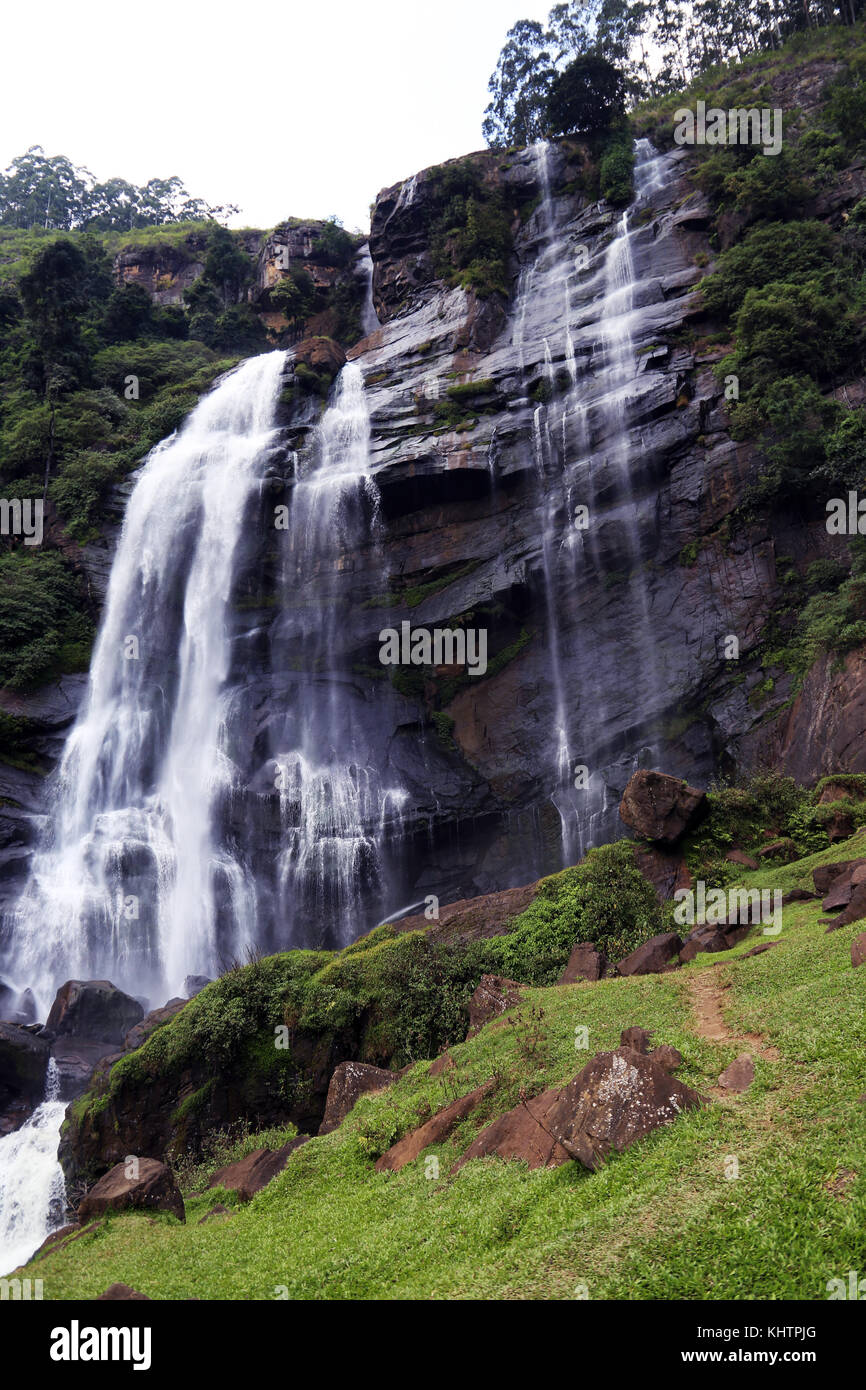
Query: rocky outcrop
x=494 y=995
x=164 y=269
x=618 y=1098
x=349 y=1081
x=661 y=808
x=140 y=1184
x=155 y=1019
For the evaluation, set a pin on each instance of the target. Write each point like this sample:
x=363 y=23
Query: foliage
x=616 y=169
x=469 y=229
x=44 y=628
x=587 y=96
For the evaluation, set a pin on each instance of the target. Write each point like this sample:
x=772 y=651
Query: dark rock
x=856 y=908
x=618 y=1098
x=827 y=874
x=249 y=1175
x=652 y=956
x=435 y=1130
x=665 y=869
x=351 y=1080
x=153 y=1189
x=494 y=995
x=584 y=963
x=704 y=938
x=94 y=1010
x=122 y=1293
x=658 y=807
x=194 y=984
x=759 y=950
x=739 y=1075
x=77 y=1059
x=798 y=895
x=23 y=1064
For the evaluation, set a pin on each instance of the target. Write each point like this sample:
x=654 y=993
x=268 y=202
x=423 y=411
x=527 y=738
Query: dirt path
x=708 y=998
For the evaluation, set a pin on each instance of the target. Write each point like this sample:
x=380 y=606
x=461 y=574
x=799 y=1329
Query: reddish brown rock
x=826 y=874
x=118 y=1292
x=855 y=910
x=153 y=1189
x=840 y=826
x=320 y=354
x=618 y=1098
x=349 y=1081
x=473 y=919
x=736 y=856
x=661 y=808
x=665 y=869
x=739 y=1075
x=798 y=895
x=704 y=938
x=436 y=1130
x=858 y=949
x=495 y=995
x=652 y=956
x=584 y=963
x=759 y=950
x=250 y=1174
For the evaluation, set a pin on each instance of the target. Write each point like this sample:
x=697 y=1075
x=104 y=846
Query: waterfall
x=32 y=1191
x=369 y=317
x=574 y=333
x=132 y=882
x=338 y=815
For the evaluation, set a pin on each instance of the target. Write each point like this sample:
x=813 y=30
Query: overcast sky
x=286 y=109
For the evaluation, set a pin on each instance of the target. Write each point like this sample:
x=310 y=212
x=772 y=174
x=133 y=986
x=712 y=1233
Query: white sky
x=286 y=109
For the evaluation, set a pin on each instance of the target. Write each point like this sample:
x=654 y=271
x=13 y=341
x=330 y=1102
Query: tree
x=519 y=87
x=226 y=266
x=587 y=96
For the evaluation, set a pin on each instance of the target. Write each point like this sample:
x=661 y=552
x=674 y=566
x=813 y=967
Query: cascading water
x=337 y=815
x=574 y=333
x=32 y=1191
x=133 y=882
x=369 y=317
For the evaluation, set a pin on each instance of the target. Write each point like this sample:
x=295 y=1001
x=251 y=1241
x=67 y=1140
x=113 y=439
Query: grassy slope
x=660 y=1221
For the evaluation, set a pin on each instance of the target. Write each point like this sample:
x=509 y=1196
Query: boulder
x=495 y=995
x=349 y=1081
x=121 y=1292
x=858 y=950
x=23 y=1064
x=435 y=1130
x=94 y=1010
x=665 y=869
x=840 y=826
x=618 y=1098
x=855 y=909
x=194 y=984
x=661 y=808
x=250 y=1174
x=736 y=856
x=77 y=1059
x=739 y=1075
x=584 y=963
x=704 y=938
x=155 y=1019
x=153 y=1189
x=782 y=851
x=759 y=950
x=322 y=355
x=444 y=1062
x=798 y=895
x=653 y=956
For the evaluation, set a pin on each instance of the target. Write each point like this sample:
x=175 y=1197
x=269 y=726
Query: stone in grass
x=858 y=949
x=653 y=956
x=150 y=1186
x=739 y=1075
x=249 y=1175
x=349 y=1081
x=118 y=1292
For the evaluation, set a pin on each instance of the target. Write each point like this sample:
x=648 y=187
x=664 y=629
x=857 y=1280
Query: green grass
x=660 y=1221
